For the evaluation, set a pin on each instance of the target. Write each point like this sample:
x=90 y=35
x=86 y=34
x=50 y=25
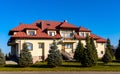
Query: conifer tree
x=54 y=56
x=2 y=58
x=79 y=51
x=117 y=53
x=94 y=50
x=108 y=53
x=88 y=58
x=109 y=47
x=25 y=58
x=107 y=56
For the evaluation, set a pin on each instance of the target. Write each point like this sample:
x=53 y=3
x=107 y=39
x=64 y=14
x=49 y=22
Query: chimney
x=65 y=21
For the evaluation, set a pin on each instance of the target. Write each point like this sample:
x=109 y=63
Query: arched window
x=29 y=45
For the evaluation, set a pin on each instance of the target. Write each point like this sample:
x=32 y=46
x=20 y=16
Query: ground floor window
x=29 y=45
x=41 y=45
x=101 y=52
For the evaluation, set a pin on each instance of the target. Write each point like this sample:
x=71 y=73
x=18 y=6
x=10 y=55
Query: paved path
x=59 y=72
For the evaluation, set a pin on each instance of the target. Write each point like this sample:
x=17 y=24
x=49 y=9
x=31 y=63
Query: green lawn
x=67 y=66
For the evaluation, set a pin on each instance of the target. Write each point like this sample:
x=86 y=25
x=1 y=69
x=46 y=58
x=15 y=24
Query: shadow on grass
x=40 y=66
x=33 y=66
x=76 y=66
x=13 y=66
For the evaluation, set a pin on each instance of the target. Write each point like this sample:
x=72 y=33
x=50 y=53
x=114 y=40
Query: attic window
x=51 y=33
x=31 y=32
x=48 y=24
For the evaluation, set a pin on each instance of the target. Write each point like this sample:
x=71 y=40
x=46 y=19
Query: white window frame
x=29 y=32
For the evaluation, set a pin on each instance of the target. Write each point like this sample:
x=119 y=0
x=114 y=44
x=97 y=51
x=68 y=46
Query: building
x=40 y=34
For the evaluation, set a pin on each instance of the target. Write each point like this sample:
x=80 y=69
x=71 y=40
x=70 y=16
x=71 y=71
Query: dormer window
x=82 y=34
x=31 y=32
x=51 y=33
x=48 y=24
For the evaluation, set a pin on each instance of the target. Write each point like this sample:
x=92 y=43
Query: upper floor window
x=68 y=45
x=31 y=32
x=29 y=45
x=82 y=34
x=51 y=33
x=67 y=34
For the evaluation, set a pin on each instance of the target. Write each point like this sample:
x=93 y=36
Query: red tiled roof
x=51 y=28
x=79 y=37
x=82 y=29
x=39 y=34
x=49 y=25
x=101 y=40
x=24 y=26
x=67 y=25
x=94 y=36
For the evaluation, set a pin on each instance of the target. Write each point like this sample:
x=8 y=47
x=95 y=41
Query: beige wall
x=37 y=53
x=36 y=50
x=100 y=48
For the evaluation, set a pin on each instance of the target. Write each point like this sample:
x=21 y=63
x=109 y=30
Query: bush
x=2 y=58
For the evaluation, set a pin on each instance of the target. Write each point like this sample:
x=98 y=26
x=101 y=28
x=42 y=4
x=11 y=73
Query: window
x=41 y=45
x=31 y=32
x=68 y=45
x=29 y=45
x=101 y=52
x=48 y=24
x=102 y=43
x=67 y=34
x=52 y=33
x=82 y=34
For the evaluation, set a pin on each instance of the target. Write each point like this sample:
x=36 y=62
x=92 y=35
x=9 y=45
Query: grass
x=67 y=66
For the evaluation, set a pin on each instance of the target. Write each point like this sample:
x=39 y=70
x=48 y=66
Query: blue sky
x=101 y=16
